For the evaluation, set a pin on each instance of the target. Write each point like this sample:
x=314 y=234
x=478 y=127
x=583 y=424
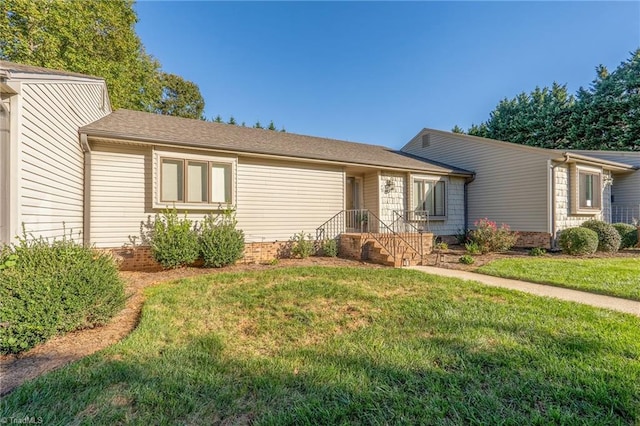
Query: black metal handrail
x=397 y=244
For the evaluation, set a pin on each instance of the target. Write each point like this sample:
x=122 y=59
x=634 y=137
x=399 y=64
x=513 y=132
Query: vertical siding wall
x=4 y=173
x=51 y=166
x=371 y=192
x=274 y=199
x=277 y=199
x=511 y=184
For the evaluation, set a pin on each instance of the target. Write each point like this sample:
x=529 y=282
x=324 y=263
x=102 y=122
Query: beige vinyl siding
x=371 y=192
x=120 y=193
x=511 y=184
x=4 y=173
x=276 y=199
x=51 y=164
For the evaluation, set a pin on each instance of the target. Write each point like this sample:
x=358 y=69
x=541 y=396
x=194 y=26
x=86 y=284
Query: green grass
x=614 y=277
x=350 y=346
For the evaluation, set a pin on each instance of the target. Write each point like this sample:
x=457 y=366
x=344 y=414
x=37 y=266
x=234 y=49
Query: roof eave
x=609 y=165
x=107 y=135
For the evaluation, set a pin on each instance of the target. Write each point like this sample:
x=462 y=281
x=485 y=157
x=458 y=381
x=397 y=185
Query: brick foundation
x=533 y=239
x=140 y=258
x=356 y=246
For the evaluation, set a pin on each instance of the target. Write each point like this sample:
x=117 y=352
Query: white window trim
x=178 y=155
x=432 y=179
x=577 y=209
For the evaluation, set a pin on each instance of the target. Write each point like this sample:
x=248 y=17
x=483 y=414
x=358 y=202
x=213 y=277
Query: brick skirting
x=533 y=239
x=140 y=258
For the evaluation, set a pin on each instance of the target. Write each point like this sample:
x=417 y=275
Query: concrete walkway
x=599 y=301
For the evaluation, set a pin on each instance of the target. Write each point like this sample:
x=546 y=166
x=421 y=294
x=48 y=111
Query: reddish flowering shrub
x=491 y=238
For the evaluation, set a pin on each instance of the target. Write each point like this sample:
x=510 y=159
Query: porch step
x=407 y=256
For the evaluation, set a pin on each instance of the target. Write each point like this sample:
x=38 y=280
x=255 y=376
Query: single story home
x=537 y=192
x=69 y=165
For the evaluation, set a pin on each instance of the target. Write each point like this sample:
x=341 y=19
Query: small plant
x=442 y=246
x=8 y=261
x=472 y=248
x=537 y=251
x=462 y=237
x=173 y=241
x=491 y=238
x=221 y=244
x=628 y=234
x=608 y=238
x=301 y=245
x=330 y=248
x=578 y=241
x=466 y=259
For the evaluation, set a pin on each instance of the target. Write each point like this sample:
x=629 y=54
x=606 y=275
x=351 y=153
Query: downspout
x=86 y=211
x=467 y=181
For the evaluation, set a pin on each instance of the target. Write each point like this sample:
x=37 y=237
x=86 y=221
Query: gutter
x=86 y=208
x=149 y=141
x=611 y=165
x=467 y=181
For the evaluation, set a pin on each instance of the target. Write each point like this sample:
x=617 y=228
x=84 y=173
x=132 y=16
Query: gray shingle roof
x=12 y=66
x=142 y=126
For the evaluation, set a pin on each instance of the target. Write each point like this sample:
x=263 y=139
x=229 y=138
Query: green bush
x=628 y=234
x=466 y=259
x=173 y=241
x=608 y=238
x=221 y=244
x=537 y=251
x=491 y=238
x=472 y=248
x=301 y=245
x=50 y=288
x=578 y=241
x=330 y=248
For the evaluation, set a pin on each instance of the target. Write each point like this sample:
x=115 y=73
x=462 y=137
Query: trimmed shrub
x=466 y=259
x=301 y=245
x=50 y=288
x=330 y=248
x=578 y=241
x=221 y=244
x=173 y=241
x=608 y=238
x=628 y=234
x=491 y=238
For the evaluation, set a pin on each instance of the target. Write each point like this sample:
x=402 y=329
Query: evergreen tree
x=271 y=126
x=457 y=129
x=257 y=125
x=232 y=121
x=217 y=119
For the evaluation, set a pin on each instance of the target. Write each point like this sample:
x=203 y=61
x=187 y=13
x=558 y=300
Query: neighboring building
x=537 y=192
x=41 y=161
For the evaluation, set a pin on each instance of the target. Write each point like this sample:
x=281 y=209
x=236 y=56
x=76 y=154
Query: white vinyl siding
x=51 y=168
x=277 y=199
x=4 y=173
x=511 y=183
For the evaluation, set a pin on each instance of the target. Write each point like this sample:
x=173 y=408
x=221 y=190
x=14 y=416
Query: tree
x=96 y=38
x=540 y=118
x=180 y=98
x=271 y=126
x=457 y=129
x=607 y=115
x=258 y=125
x=217 y=119
x=232 y=121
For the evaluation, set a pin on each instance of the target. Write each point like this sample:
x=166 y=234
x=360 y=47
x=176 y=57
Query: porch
x=360 y=234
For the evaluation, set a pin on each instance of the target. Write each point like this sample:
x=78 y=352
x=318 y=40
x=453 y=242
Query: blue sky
x=378 y=72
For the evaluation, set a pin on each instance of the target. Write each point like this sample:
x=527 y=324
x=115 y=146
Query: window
x=429 y=196
x=589 y=189
x=195 y=181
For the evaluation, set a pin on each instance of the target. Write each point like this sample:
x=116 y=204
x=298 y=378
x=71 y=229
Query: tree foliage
x=90 y=37
x=604 y=116
x=180 y=98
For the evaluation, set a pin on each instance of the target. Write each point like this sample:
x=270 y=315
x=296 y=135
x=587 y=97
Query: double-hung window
x=429 y=197
x=198 y=181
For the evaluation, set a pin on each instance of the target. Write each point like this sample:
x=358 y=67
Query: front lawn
x=349 y=346
x=612 y=276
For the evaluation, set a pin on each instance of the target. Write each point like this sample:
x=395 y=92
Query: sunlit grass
x=350 y=346
x=615 y=277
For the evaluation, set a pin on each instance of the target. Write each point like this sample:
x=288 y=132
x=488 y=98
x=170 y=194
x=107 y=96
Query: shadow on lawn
x=199 y=384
